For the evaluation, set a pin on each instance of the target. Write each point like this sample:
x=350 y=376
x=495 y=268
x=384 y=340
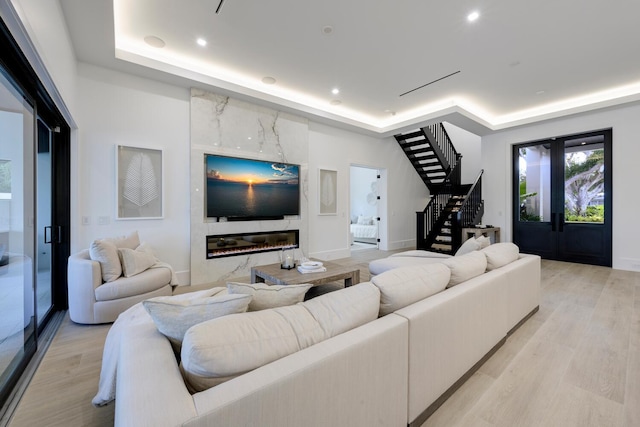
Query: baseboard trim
x=451 y=390
x=524 y=319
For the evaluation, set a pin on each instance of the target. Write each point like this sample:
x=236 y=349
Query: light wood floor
x=574 y=363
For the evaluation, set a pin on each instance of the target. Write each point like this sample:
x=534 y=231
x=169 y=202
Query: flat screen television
x=248 y=189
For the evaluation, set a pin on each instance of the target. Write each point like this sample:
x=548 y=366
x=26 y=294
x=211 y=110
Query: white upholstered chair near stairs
x=112 y=276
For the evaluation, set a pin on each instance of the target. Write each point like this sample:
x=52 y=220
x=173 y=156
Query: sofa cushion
x=218 y=350
x=348 y=308
x=421 y=254
x=106 y=253
x=269 y=296
x=465 y=267
x=500 y=254
x=379 y=266
x=135 y=261
x=174 y=316
x=469 y=245
x=147 y=281
x=403 y=286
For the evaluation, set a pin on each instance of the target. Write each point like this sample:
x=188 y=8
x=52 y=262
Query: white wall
x=121 y=109
x=496 y=160
x=469 y=145
x=403 y=196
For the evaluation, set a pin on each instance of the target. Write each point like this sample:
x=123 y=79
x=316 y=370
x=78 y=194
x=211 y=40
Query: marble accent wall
x=230 y=127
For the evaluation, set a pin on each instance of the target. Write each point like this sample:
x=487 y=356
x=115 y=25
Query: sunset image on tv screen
x=246 y=188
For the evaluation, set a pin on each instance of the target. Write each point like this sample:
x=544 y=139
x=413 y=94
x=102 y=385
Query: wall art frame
x=139 y=183
x=327 y=192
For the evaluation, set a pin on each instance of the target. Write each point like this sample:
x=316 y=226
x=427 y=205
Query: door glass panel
x=16 y=231
x=535 y=183
x=584 y=180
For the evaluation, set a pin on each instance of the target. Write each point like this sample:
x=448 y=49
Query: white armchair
x=92 y=300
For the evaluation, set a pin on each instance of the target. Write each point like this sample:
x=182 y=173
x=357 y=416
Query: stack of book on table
x=311 y=267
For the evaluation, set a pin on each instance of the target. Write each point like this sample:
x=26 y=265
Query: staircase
x=453 y=205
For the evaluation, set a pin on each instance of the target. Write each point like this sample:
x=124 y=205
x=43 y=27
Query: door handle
x=47 y=240
x=553 y=222
x=560 y=223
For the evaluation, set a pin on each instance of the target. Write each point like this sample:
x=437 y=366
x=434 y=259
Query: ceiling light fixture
x=268 y=80
x=327 y=29
x=154 y=41
x=473 y=16
x=336 y=102
x=201 y=42
x=335 y=91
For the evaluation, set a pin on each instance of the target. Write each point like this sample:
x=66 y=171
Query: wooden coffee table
x=272 y=273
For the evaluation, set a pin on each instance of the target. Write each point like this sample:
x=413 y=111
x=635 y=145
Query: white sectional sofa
x=394 y=370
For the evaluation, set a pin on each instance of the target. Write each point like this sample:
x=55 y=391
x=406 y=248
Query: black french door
x=562 y=197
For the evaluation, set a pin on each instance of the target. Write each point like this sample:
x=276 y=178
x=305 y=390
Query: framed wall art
x=139 y=186
x=328 y=192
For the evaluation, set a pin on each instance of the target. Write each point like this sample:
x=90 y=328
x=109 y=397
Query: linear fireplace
x=225 y=245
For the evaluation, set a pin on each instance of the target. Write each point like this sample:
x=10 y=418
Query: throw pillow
x=465 y=267
x=269 y=296
x=106 y=253
x=403 y=286
x=173 y=317
x=469 y=245
x=483 y=241
x=135 y=262
x=131 y=241
x=500 y=254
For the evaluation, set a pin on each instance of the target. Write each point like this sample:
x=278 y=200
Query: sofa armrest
x=84 y=276
x=150 y=390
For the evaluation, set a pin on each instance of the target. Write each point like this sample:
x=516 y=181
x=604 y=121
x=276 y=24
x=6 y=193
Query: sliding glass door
x=17 y=233
x=562 y=197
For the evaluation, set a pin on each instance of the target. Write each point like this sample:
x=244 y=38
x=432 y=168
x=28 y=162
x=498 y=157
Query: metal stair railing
x=469 y=213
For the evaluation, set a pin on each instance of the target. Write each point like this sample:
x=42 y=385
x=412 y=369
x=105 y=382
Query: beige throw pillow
x=135 y=262
x=402 y=286
x=132 y=241
x=469 y=245
x=269 y=296
x=173 y=317
x=106 y=253
x=483 y=241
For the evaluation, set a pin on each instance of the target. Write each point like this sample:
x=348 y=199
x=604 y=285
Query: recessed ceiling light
x=335 y=91
x=473 y=16
x=249 y=138
x=201 y=42
x=336 y=102
x=154 y=41
x=327 y=29
x=268 y=80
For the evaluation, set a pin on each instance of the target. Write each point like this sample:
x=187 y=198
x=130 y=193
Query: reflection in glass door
x=562 y=197
x=17 y=331
x=44 y=230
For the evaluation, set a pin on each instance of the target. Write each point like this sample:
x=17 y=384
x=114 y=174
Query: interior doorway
x=364 y=207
